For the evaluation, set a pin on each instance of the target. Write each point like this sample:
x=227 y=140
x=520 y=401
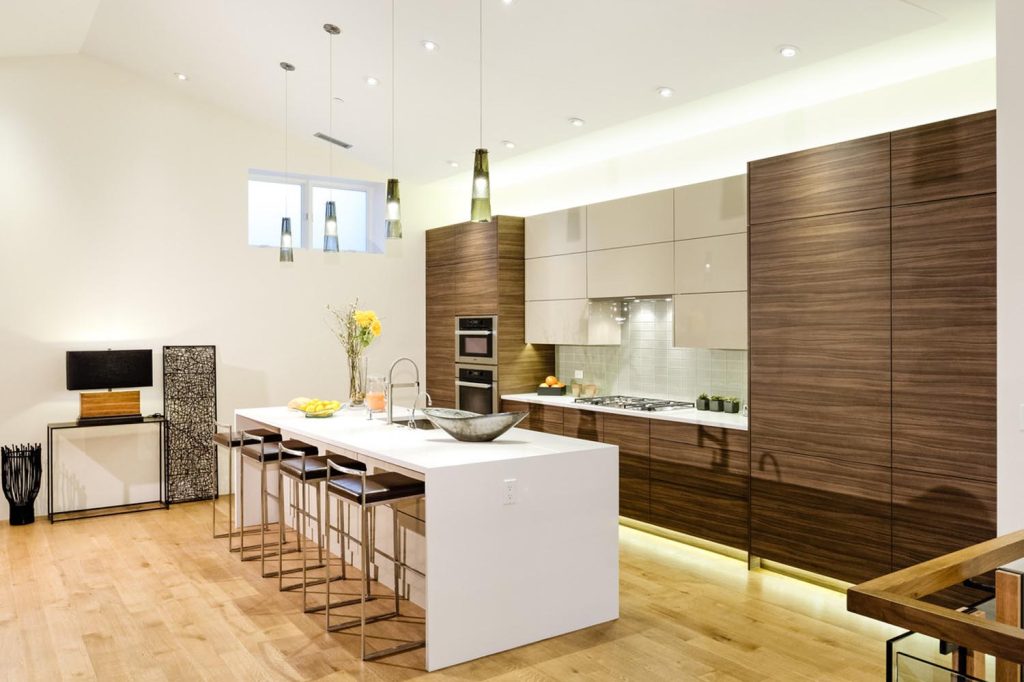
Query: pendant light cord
x=481 y=6
x=330 y=103
x=286 y=139
x=394 y=105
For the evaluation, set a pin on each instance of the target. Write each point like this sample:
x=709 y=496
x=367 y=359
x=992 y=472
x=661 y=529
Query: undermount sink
x=420 y=423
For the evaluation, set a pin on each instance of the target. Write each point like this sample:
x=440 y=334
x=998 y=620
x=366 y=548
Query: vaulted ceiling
x=544 y=61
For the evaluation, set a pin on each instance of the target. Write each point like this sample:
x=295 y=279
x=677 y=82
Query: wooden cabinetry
x=633 y=436
x=631 y=221
x=839 y=178
x=518 y=406
x=823 y=515
x=954 y=158
x=699 y=481
x=872 y=349
x=944 y=337
x=478 y=269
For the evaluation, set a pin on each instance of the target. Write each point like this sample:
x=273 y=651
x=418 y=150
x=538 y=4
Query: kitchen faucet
x=391 y=386
x=412 y=422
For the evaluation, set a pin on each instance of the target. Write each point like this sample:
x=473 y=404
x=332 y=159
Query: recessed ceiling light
x=577 y=122
x=509 y=144
x=371 y=81
x=507 y=2
x=180 y=76
x=789 y=51
x=666 y=92
x=453 y=164
x=430 y=46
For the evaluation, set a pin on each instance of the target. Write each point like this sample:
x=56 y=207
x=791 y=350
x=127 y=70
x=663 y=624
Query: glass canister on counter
x=375 y=394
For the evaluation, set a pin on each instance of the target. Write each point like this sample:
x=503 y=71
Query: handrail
x=896 y=598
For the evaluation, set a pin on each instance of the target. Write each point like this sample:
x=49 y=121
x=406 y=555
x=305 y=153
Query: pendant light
x=330 y=210
x=392 y=201
x=480 y=207
x=285 y=254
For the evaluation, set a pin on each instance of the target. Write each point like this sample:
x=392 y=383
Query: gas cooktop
x=626 y=402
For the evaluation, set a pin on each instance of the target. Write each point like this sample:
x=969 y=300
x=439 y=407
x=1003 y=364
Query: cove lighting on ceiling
x=789 y=51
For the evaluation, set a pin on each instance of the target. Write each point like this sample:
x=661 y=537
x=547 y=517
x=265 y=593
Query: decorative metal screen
x=190 y=407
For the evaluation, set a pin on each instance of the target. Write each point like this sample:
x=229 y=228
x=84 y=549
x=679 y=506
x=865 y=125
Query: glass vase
x=356 y=380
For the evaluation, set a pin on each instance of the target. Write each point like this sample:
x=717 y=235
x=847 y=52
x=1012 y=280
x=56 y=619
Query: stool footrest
x=369 y=619
x=408 y=646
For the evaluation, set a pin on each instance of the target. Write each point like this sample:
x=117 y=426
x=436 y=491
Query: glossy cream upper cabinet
x=643 y=219
x=576 y=322
x=711 y=320
x=556 y=233
x=712 y=208
x=561 y=322
x=631 y=271
x=711 y=264
x=556 y=277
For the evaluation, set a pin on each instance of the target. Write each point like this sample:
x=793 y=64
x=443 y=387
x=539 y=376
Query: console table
x=70 y=514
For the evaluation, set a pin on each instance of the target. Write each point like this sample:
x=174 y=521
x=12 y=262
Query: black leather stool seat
x=315 y=468
x=266 y=435
x=224 y=440
x=299 y=446
x=268 y=453
x=379 y=487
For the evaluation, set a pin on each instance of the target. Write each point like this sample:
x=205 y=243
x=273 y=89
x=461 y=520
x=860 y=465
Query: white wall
x=123 y=224
x=575 y=174
x=1010 y=274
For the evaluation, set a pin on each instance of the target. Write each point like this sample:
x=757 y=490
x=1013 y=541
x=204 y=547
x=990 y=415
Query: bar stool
x=368 y=492
x=305 y=470
x=265 y=451
x=224 y=436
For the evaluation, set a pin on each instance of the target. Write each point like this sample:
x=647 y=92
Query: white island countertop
x=688 y=415
x=421 y=450
x=518 y=537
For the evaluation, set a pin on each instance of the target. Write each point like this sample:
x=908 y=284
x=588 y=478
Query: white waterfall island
x=498 y=575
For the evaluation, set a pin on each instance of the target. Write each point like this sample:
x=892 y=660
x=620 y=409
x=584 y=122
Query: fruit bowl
x=315 y=409
x=470 y=426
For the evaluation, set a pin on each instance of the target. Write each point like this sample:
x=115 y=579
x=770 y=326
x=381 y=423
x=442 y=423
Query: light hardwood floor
x=151 y=596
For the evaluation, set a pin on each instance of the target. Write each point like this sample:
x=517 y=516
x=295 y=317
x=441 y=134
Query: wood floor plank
x=151 y=596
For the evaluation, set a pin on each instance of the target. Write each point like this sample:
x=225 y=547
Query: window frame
x=375 y=191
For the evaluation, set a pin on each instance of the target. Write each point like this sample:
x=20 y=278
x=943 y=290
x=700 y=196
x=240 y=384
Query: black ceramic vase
x=22 y=472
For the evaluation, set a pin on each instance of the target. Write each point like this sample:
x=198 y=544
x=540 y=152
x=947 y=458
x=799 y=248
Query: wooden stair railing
x=896 y=598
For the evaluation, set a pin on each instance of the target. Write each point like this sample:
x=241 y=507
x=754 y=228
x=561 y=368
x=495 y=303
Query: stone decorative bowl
x=470 y=426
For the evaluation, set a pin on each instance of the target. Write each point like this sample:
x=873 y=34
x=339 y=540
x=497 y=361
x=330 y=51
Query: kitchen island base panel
x=505 y=575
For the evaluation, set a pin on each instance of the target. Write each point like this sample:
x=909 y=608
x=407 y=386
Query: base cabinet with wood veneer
x=688 y=478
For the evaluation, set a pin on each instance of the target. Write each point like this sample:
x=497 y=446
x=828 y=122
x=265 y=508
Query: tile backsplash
x=646 y=364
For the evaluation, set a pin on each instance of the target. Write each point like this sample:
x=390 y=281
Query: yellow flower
x=364 y=318
x=375 y=327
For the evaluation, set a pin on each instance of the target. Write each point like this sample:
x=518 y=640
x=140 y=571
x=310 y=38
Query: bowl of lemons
x=315 y=408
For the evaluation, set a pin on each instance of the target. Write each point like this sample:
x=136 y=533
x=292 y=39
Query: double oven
x=476 y=364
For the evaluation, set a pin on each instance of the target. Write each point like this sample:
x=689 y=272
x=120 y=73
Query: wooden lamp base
x=109 y=404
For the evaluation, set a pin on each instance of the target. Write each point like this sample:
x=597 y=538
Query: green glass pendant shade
x=286 y=241
x=393 y=210
x=480 y=210
x=330 y=227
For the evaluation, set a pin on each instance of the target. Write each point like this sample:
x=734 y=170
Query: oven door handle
x=474 y=332
x=473 y=384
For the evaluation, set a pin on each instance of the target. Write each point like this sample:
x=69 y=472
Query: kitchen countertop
x=688 y=415
x=420 y=450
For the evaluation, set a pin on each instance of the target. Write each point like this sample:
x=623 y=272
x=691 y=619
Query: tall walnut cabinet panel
x=478 y=269
x=872 y=349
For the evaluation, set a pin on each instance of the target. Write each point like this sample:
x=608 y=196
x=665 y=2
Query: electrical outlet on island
x=508 y=491
x=578 y=374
